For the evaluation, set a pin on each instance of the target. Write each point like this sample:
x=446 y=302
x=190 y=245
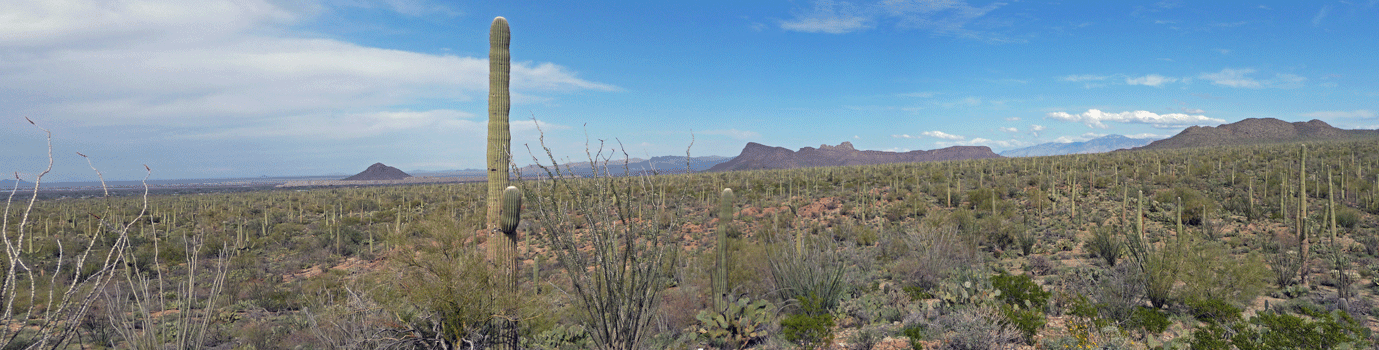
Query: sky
x=248 y=88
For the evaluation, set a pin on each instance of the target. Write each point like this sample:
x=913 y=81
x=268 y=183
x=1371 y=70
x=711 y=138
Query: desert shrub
x=1371 y=244
x=1213 y=310
x=1104 y=244
x=1039 y=265
x=975 y=328
x=1149 y=319
x=1020 y=291
x=1105 y=295
x=915 y=333
x=934 y=256
x=810 y=326
x=1269 y=330
x=815 y=273
x=1210 y=271
x=1347 y=217
x=1196 y=206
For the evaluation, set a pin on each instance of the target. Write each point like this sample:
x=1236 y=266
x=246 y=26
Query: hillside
x=378 y=171
x=1257 y=131
x=1097 y=145
x=758 y=156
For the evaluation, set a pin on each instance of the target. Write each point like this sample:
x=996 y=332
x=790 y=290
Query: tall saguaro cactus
x=499 y=138
x=504 y=202
x=725 y=217
x=1302 y=215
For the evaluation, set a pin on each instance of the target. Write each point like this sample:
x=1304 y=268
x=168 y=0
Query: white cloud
x=985 y=142
x=941 y=135
x=1084 y=77
x=1146 y=136
x=1013 y=119
x=1154 y=80
x=829 y=17
x=1359 y=113
x=733 y=133
x=1010 y=129
x=224 y=64
x=1033 y=127
x=1096 y=118
x=1239 y=78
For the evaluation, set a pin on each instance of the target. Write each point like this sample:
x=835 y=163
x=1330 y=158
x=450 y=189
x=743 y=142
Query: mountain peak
x=379 y=171
x=1256 y=131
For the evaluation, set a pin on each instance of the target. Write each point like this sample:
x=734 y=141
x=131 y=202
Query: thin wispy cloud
x=1241 y=78
x=1154 y=80
x=938 y=17
x=1098 y=119
x=1321 y=15
x=1084 y=77
x=829 y=16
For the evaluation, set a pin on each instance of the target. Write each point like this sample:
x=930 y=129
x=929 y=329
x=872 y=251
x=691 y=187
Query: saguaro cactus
x=501 y=217
x=499 y=137
x=725 y=217
x=1302 y=215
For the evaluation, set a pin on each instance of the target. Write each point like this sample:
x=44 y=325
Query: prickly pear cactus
x=741 y=323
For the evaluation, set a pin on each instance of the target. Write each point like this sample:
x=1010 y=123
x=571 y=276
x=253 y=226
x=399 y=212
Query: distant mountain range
x=1097 y=145
x=7 y=184
x=1257 y=131
x=634 y=166
x=758 y=156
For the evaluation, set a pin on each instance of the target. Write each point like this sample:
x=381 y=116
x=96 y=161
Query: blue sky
x=238 y=88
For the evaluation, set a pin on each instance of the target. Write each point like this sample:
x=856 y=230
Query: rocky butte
x=378 y=171
x=758 y=156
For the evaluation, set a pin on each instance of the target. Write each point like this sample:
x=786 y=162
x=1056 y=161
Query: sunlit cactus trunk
x=499 y=138
x=1302 y=215
x=725 y=217
x=504 y=202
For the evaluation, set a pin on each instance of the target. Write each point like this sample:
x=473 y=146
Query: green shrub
x=1213 y=310
x=1020 y=291
x=915 y=333
x=1196 y=206
x=809 y=328
x=1271 y=330
x=1149 y=319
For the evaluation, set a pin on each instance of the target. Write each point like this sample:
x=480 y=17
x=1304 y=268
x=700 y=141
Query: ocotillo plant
x=499 y=137
x=725 y=217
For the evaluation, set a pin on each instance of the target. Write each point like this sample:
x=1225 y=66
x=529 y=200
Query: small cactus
x=511 y=212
